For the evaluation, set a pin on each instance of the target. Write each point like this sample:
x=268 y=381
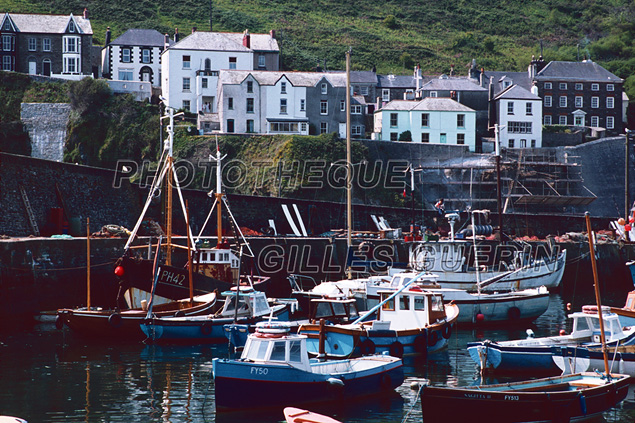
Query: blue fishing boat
x=275 y=370
x=244 y=306
x=410 y=321
x=535 y=354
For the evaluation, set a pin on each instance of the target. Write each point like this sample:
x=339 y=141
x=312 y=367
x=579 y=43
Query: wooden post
x=321 y=349
x=88 y=263
x=189 y=253
x=597 y=291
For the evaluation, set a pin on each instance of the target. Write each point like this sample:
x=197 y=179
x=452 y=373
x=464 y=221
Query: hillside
x=391 y=35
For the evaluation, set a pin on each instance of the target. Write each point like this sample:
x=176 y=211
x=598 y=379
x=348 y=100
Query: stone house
x=519 y=118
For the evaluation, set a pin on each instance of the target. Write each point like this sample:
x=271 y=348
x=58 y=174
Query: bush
x=405 y=136
x=390 y=22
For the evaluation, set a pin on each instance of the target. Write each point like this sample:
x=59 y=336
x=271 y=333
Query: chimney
x=491 y=111
x=531 y=71
x=86 y=13
x=107 y=36
x=534 y=89
x=481 y=78
x=246 y=39
x=418 y=77
x=176 y=35
x=166 y=41
x=452 y=70
x=272 y=33
x=193 y=29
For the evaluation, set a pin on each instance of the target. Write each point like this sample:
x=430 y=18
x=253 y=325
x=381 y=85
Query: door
x=342 y=130
x=46 y=68
x=443 y=139
x=32 y=67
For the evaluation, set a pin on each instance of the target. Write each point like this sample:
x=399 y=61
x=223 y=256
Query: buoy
x=480 y=317
x=621 y=221
x=562 y=332
x=119 y=271
x=568 y=306
x=627 y=227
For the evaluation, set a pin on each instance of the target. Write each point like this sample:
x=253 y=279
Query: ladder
x=29 y=211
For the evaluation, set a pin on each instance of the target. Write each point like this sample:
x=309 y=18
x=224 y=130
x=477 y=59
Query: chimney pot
x=246 y=39
x=193 y=29
x=176 y=35
x=86 y=13
x=272 y=33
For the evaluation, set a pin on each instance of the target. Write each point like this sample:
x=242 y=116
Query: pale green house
x=432 y=120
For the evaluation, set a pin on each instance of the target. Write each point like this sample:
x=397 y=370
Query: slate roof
x=576 y=71
x=226 y=41
x=516 y=92
x=141 y=37
x=297 y=79
x=439 y=104
x=48 y=24
x=517 y=78
x=451 y=84
x=359 y=77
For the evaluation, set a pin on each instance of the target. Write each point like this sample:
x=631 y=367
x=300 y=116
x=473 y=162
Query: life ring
x=59 y=321
x=420 y=343
x=513 y=313
x=114 y=320
x=446 y=330
x=367 y=347
x=396 y=349
x=433 y=337
x=179 y=313
x=386 y=381
x=206 y=328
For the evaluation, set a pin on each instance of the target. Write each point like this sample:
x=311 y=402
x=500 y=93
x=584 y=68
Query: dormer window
x=283 y=87
x=506 y=84
x=71 y=26
x=324 y=88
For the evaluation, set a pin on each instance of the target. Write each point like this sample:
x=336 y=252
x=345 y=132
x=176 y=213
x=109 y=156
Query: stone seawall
x=46 y=125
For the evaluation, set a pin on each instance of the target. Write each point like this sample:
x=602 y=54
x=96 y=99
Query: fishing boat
x=587 y=359
x=569 y=398
x=626 y=313
x=298 y=415
x=242 y=306
x=410 y=321
x=275 y=370
x=535 y=354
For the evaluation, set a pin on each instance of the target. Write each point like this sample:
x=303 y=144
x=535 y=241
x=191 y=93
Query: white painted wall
x=520 y=116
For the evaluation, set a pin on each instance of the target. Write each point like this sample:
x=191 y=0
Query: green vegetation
x=13 y=139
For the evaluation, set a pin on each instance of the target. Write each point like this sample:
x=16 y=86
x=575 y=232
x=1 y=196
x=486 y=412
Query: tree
x=390 y=22
x=405 y=136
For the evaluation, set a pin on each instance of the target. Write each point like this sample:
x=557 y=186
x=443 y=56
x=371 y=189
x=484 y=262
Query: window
x=303 y=127
x=595 y=87
x=46 y=44
x=393 y=120
x=547 y=101
x=425 y=137
x=357 y=130
x=250 y=125
x=324 y=127
x=533 y=143
x=595 y=102
x=523 y=143
x=443 y=138
x=610 y=122
x=125 y=55
x=7 y=63
x=356 y=109
x=232 y=63
x=460 y=139
x=609 y=102
x=208 y=65
x=302 y=105
x=595 y=121
x=563 y=101
x=295 y=352
x=547 y=119
x=562 y=120
x=230 y=125
x=283 y=87
x=186 y=84
x=186 y=62
x=519 y=127
x=71 y=44
x=324 y=107
x=563 y=86
x=284 y=127
x=230 y=103
x=510 y=108
x=32 y=44
x=186 y=105
x=610 y=87
x=146 y=55
x=425 y=120
x=510 y=143
x=578 y=101
x=528 y=109
x=250 y=86
x=283 y=106
x=507 y=84
x=261 y=61
x=460 y=121
x=250 y=105
x=578 y=87
x=71 y=26
x=385 y=94
x=578 y=120
x=363 y=90
x=70 y=65
x=204 y=82
x=433 y=94
x=324 y=88
x=394 y=136
x=125 y=74
x=342 y=106
x=547 y=85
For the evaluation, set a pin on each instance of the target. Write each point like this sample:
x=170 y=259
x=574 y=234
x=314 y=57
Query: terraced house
x=51 y=45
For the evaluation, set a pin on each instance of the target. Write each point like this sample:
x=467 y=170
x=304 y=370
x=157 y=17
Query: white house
x=519 y=117
x=190 y=67
x=434 y=120
x=135 y=56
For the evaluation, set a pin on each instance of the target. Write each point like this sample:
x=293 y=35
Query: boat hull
x=507 y=403
x=271 y=385
x=579 y=359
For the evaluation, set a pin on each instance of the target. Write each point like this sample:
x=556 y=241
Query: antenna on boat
x=597 y=293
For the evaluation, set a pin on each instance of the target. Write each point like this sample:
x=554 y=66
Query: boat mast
x=478 y=274
x=219 y=197
x=168 y=207
x=88 y=263
x=597 y=293
x=349 y=164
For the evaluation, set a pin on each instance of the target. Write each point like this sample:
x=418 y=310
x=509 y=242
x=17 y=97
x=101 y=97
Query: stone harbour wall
x=46 y=125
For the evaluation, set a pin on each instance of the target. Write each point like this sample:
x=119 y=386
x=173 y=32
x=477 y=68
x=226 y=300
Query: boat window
x=323 y=310
x=277 y=353
x=295 y=352
x=437 y=303
x=261 y=306
x=212 y=256
x=257 y=350
x=352 y=312
x=581 y=324
x=629 y=303
x=389 y=305
x=404 y=302
x=395 y=281
x=339 y=310
x=226 y=255
x=420 y=302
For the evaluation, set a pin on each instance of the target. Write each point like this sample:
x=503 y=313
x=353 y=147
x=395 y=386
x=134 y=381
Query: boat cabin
x=413 y=307
x=630 y=301
x=273 y=343
x=218 y=262
x=586 y=323
x=250 y=303
x=334 y=310
x=401 y=279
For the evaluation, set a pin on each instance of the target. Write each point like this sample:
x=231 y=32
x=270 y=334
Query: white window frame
x=529 y=109
x=324 y=107
x=146 y=55
x=356 y=109
x=125 y=75
x=302 y=105
x=261 y=61
x=610 y=87
x=186 y=105
x=460 y=120
x=363 y=90
x=283 y=106
x=187 y=84
x=232 y=62
x=610 y=102
x=71 y=65
x=595 y=87
x=579 y=101
x=7 y=63
x=385 y=94
x=186 y=61
x=510 y=107
x=579 y=86
x=324 y=88
x=250 y=86
x=342 y=106
x=46 y=44
x=595 y=121
x=562 y=120
x=32 y=44
x=126 y=55
x=548 y=101
x=433 y=94
x=324 y=127
x=595 y=102
x=562 y=86
x=610 y=122
x=562 y=101
x=71 y=45
x=547 y=120
x=283 y=87
x=548 y=86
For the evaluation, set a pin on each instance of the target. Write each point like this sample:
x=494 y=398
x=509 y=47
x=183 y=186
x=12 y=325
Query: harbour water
x=47 y=375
